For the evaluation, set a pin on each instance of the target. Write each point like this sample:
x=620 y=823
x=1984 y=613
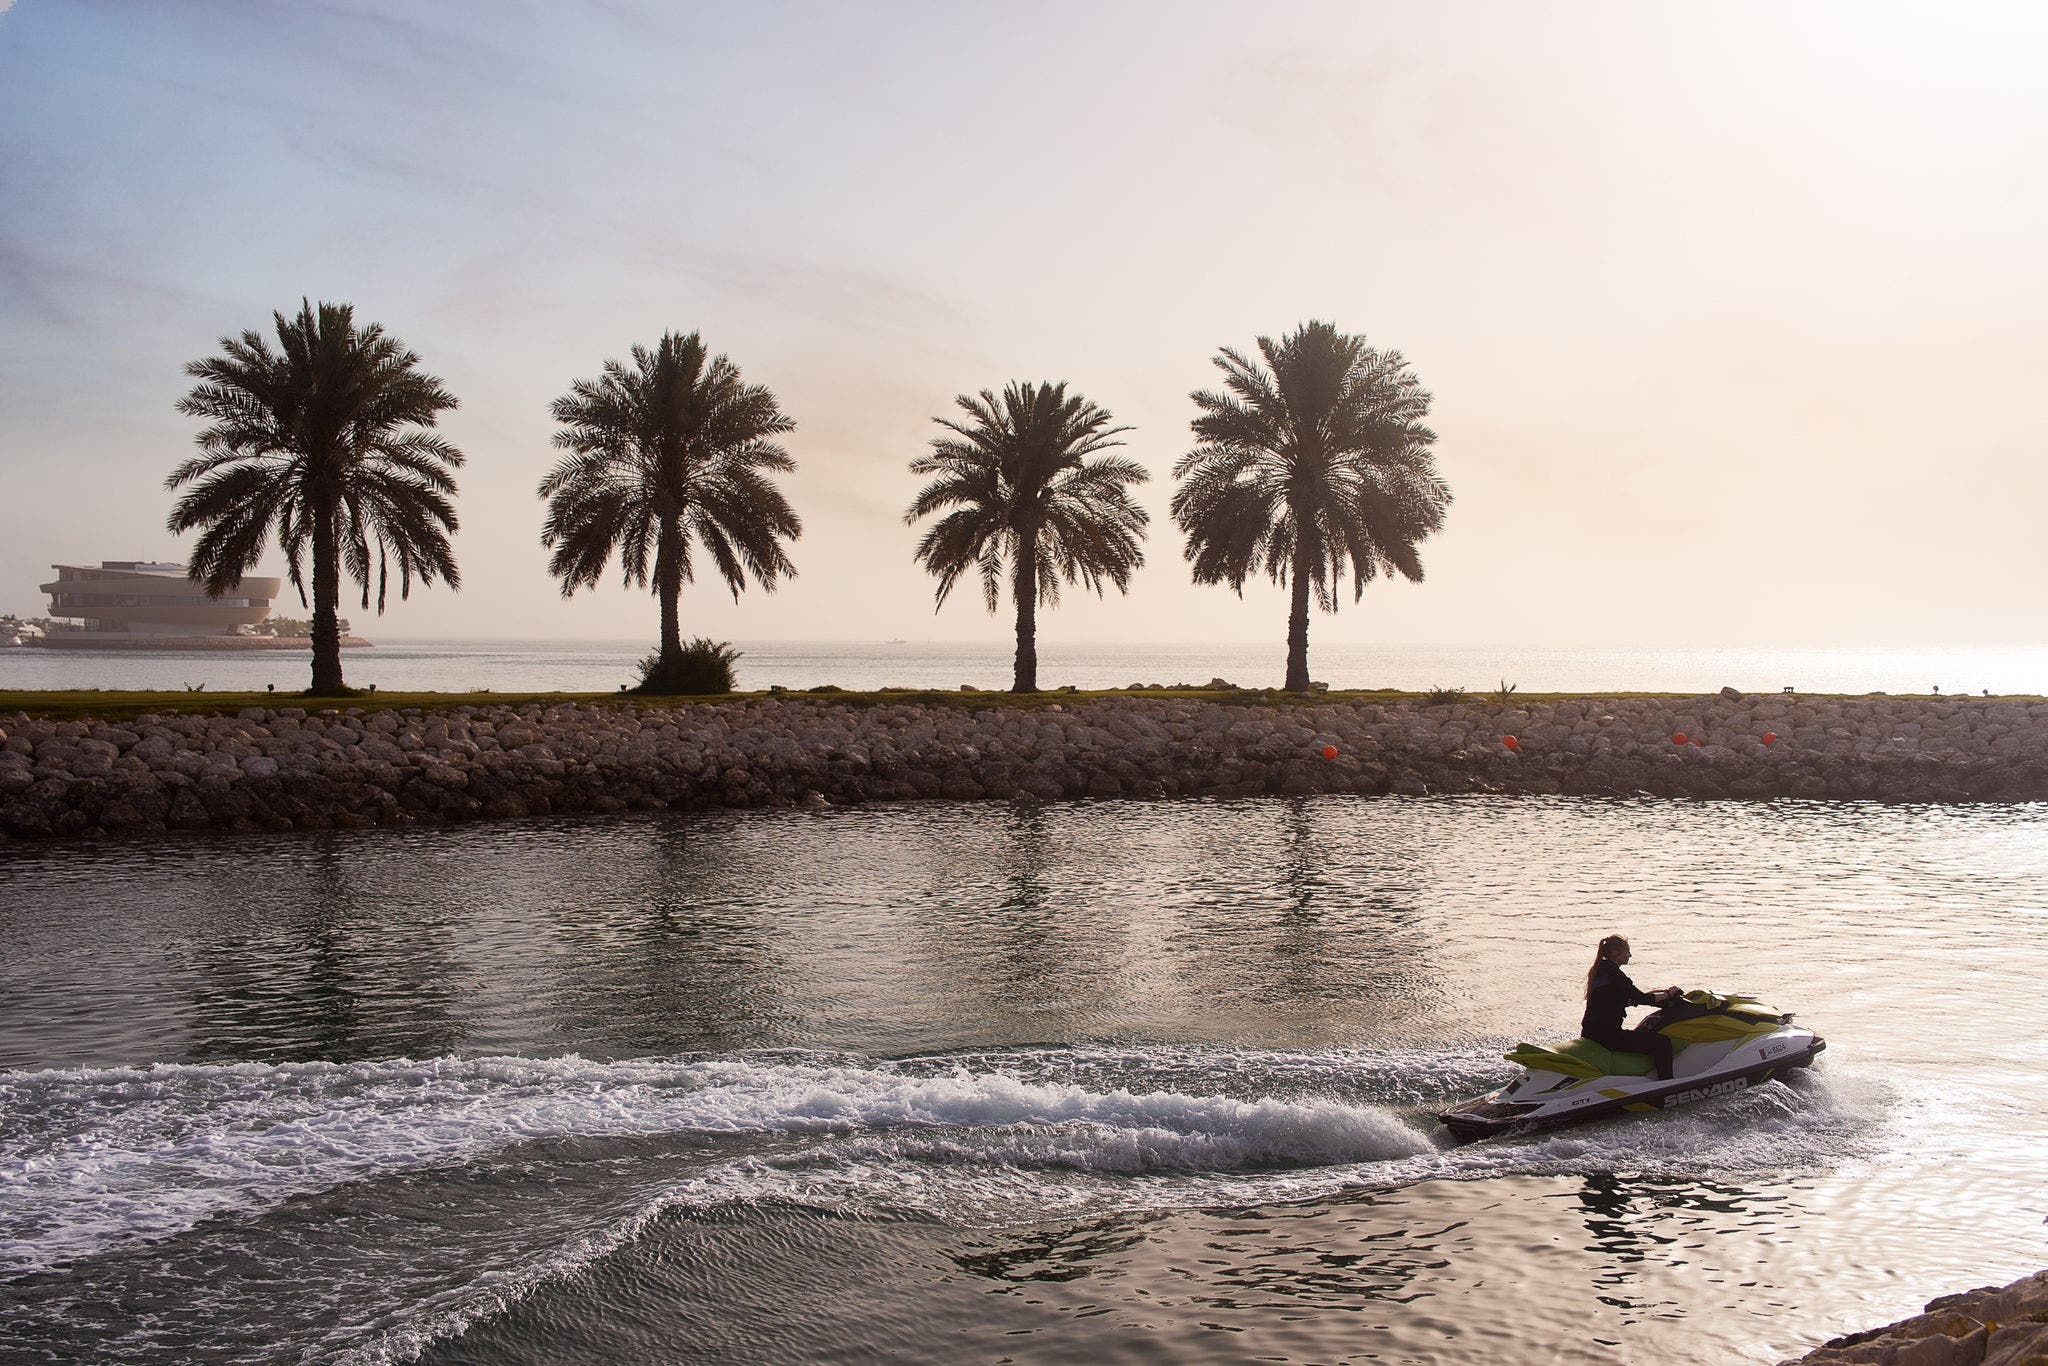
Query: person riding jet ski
x=1722 y=1043
x=1609 y=994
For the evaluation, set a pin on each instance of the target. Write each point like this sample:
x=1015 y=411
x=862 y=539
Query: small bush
x=702 y=668
x=1505 y=691
x=1443 y=697
x=826 y=687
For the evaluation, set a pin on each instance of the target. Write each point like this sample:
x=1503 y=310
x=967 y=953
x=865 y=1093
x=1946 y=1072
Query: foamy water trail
x=98 y=1164
x=141 y=1155
x=1030 y=1173
x=98 y=1159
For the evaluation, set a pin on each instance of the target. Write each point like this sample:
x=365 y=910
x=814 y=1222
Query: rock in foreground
x=1990 y=1326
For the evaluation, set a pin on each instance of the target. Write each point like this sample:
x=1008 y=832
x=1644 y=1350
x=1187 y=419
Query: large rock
x=1990 y=1326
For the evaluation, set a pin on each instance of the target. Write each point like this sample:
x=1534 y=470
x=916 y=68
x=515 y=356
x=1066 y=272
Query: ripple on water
x=1103 y=1076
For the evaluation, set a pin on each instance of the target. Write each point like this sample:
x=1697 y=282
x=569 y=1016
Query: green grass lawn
x=123 y=706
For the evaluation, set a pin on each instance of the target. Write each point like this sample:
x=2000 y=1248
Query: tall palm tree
x=1025 y=494
x=324 y=444
x=1313 y=461
x=670 y=450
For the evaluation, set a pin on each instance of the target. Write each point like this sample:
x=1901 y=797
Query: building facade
x=141 y=598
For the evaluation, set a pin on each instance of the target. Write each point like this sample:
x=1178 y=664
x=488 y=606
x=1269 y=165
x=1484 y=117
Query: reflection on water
x=666 y=944
x=1088 y=1082
x=892 y=931
x=321 y=980
x=1066 y=1253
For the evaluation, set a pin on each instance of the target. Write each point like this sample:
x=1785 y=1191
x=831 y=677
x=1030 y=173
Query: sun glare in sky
x=1731 y=315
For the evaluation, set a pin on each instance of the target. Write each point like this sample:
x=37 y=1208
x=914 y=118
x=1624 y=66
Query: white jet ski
x=1720 y=1043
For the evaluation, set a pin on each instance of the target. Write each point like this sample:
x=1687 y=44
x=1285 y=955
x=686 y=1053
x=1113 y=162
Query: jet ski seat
x=1583 y=1058
x=1611 y=1062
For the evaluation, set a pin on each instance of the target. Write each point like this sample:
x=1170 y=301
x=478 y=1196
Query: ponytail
x=1603 y=957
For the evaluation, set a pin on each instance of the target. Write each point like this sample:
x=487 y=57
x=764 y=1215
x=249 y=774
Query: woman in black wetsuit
x=1609 y=994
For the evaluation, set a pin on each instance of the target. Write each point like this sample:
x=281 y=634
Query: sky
x=1735 y=315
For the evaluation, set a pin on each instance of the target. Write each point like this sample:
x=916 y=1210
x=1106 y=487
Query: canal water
x=1078 y=1083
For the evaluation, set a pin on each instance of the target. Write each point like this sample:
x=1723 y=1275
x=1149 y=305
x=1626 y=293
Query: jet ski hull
x=1541 y=1099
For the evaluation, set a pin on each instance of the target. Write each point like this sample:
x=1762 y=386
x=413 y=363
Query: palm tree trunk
x=668 y=582
x=1026 y=679
x=1297 y=626
x=326 y=594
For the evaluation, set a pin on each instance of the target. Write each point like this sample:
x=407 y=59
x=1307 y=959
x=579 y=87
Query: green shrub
x=702 y=668
x=1443 y=697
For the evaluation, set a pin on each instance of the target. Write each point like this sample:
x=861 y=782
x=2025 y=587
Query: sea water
x=602 y=666
x=1076 y=1083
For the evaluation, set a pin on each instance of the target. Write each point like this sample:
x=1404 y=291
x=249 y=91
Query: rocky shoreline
x=1989 y=1326
x=290 y=768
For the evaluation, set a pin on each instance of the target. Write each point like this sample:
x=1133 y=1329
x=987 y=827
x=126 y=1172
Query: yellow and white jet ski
x=1720 y=1043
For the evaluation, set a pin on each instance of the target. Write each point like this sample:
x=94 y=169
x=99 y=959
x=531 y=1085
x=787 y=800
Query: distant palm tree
x=673 y=449
x=1025 y=495
x=324 y=446
x=1314 y=460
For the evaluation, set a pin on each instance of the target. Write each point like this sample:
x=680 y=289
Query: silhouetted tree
x=671 y=451
x=1022 y=497
x=1313 y=461
x=323 y=445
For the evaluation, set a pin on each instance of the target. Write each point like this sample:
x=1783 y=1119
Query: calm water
x=1086 y=1083
x=601 y=666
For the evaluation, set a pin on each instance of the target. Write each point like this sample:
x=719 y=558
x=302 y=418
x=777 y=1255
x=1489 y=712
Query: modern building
x=141 y=598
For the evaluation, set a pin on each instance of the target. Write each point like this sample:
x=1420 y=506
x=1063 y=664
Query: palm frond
x=670 y=449
x=1016 y=471
x=332 y=427
x=1312 y=460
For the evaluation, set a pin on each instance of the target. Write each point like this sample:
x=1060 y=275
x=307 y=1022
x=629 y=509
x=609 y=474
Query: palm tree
x=671 y=450
x=1024 y=494
x=1314 y=460
x=324 y=445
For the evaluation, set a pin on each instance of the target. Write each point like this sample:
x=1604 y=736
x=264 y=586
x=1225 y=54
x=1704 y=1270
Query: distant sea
x=602 y=665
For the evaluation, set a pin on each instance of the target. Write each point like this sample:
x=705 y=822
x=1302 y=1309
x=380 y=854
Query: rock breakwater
x=1990 y=1326
x=288 y=768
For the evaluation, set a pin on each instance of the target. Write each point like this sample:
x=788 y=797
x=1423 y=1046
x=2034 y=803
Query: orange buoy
x=1511 y=742
x=1678 y=737
x=1770 y=737
x=1329 y=751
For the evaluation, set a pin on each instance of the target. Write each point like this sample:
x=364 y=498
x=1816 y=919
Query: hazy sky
x=1736 y=315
